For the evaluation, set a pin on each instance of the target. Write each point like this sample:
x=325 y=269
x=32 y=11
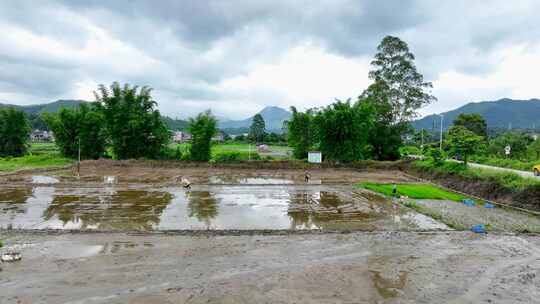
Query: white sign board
x=507 y=150
x=315 y=157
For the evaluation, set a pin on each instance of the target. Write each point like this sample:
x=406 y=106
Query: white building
x=41 y=136
x=179 y=136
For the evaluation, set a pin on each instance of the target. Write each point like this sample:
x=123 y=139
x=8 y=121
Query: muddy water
x=255 y=205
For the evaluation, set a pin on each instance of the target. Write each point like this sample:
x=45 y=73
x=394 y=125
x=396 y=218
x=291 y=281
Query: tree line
x=469 y=137
x=373 y=125
x=123 y=120
x=125 y=123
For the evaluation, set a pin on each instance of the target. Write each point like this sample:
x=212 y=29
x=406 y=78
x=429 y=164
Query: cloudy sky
x=236 y=57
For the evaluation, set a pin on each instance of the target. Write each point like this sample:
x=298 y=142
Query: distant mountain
x=502 y=113
x=273 y=118
x=47 y=107
x=33 y=112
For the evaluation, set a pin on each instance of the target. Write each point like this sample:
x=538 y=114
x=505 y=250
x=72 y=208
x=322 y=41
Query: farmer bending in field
x=186 y=183
x=394 y=190
x=307 y=176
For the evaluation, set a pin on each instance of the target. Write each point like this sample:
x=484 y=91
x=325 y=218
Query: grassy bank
x=33 y=162
x=505 y=163
x=227 y=152
x=43 y=148
x=500 y=186
x=505 y=179
x=416 y=191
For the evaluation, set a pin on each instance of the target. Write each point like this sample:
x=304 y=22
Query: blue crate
x=488 y=205
x=468 y=202
x=480 y=228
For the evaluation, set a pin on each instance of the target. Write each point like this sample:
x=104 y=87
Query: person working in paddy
x=307 y=176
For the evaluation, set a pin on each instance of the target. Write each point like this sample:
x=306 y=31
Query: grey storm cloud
x=184 y=49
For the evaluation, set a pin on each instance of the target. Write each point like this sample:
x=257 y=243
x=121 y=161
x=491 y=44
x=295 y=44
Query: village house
x=41 y=136
x=220 y=136
x=180 y=136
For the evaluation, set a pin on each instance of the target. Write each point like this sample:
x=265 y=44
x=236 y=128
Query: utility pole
x=79 y=162
x=440 y=143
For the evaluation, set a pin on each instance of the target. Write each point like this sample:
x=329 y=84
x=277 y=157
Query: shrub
x=234 y=156
x=409 y=150
x=436 y=156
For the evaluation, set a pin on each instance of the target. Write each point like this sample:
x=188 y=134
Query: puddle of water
x=220 y=180
x=422 y=221
x=41 y=179
x=219 y=207
x=15 y=196
x=69 y=250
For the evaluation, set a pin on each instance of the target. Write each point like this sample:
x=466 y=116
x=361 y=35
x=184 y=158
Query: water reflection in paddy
x=213 y=207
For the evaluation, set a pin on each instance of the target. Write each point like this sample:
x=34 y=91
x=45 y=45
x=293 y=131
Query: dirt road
x=481 y=166
x=399 y=267
x=529 y=174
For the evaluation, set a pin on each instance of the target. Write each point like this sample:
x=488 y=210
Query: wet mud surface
x=379 y=267
x=124 y=198
x=216 y=207
x=249 y=236
x=496 y=219
x=140 y=173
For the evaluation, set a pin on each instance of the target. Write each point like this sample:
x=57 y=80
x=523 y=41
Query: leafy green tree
x=240 y=137
x=535 y=148
x=133 y=125
x=84 y=125
x=257 y=131
x=422 y=136
x=92 y=133
x=301 y=132
x=395 y=75
x=473 y=122
x=343 y=130
x=14 y=132
x=202 y=128
x=518 y=142
x=272 y=138
x=435 y=155
x=66 y=128
x=398 y=91
x=464 y=142
x=386 y=135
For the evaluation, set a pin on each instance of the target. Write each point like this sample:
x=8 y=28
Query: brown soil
x=153 y=172
x=451 y=267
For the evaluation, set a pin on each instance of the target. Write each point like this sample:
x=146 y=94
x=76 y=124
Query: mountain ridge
x=273 y=117
x=52 y=107
x=501 y=113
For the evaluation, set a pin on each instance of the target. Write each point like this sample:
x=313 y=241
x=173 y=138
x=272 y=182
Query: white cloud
x=307 y=76
x=236 y=57
x=513 y=76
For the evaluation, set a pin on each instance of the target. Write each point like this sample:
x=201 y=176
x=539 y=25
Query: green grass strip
x=33 y=161
x=415 y=191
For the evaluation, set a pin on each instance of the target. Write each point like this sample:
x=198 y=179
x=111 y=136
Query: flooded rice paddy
x=238 y=204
